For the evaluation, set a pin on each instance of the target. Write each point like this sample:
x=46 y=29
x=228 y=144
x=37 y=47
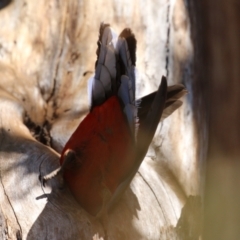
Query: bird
x=102 y=156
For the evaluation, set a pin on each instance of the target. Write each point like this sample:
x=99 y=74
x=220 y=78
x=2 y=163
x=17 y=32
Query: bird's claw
x=42 y=180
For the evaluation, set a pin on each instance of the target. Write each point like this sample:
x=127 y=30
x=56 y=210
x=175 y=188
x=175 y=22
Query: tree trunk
x=47 y=54
x=218 y=33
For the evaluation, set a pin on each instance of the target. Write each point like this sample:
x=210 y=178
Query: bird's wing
x=115 y=71
x=103 y=84
x=144 y=135
x=126 y=49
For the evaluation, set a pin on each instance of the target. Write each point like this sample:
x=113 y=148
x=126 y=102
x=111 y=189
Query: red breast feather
x=105 y=155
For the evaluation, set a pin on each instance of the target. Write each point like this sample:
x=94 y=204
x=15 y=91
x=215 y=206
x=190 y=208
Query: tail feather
x=176 y=91
x=170 y=109
x=144 y=137
x=172 y=102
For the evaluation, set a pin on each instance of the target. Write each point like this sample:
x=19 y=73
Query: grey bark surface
x=47 y=54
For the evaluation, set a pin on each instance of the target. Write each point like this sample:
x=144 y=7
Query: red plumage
x=104 y=150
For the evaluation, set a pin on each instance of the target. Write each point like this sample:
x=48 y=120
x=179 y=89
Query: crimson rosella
x=104 y=153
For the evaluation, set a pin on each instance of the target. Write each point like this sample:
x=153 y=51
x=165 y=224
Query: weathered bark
x=47 y=53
